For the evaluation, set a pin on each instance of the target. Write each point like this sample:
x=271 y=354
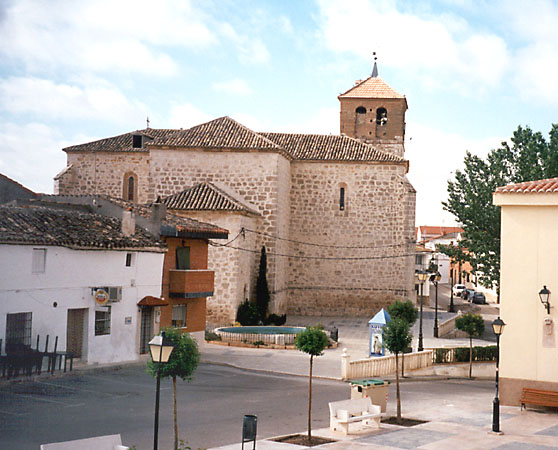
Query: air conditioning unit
x=114 y=294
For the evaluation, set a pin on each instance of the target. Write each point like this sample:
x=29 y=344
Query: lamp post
x=498 y=328
x=437 y=278
x=544 y=295
x=422 y=275
x=160 y=350
x=451 y=306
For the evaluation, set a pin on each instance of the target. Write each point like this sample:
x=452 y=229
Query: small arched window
x=381 y=116
x=342 y=199
x=361 y=110
x=130 y=187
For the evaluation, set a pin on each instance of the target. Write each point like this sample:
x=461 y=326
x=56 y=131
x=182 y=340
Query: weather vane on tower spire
x=375 y=69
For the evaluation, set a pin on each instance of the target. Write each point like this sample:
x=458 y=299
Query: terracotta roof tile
x=208 y=197
x=149 y=300
x=372 y=87
x=73 y=228
x=438 y=230
x=323 y=147
x=542 y=186
x=219 y=133
x=121 y=143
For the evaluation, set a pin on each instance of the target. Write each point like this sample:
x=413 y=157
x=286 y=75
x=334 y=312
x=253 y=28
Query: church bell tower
x=374 y=112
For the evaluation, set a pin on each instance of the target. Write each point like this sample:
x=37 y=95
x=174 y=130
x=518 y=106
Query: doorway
x=146 y=332
x=75 y=331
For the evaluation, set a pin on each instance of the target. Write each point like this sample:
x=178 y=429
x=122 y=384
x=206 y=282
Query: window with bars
x=179 y=316
x=102 y=320
x=18 y=328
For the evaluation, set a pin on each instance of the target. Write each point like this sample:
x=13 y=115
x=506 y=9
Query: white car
x=458 y=289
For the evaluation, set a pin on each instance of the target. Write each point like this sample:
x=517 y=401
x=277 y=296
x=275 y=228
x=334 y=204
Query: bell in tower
x=373 y=112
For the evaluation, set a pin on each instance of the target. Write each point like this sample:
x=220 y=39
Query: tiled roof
x=219 y=133
x=372 y=87
x=548 y=185
x=324 y=147
x=122 y=143
x=426 y=230
x=72 y=228
x=174 y=222
x=208 y=197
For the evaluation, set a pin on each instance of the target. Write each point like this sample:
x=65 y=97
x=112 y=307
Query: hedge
x=461 y=354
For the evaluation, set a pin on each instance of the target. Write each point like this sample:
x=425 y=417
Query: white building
x=77 y=277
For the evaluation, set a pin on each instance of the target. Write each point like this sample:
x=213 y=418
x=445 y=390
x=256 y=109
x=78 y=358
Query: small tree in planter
x=409 y=313
x=262 y=289
x=397 y=337
x=313 y=341
x=182 y=363
x=473 y=325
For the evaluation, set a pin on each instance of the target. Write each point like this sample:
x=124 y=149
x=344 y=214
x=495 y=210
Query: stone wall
x=261 y=178
x=108 y=178
x=376 y=217
x=235 y=270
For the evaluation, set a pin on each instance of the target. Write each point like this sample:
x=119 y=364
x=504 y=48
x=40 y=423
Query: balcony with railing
x=191 y=283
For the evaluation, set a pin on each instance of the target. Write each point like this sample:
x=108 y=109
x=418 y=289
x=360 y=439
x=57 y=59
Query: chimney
x=128 y=223
x=158 y=214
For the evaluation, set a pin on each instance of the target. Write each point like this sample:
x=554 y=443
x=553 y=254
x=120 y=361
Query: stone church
x=335 y=213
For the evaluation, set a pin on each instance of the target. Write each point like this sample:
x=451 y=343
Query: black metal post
x=496 y=403
x=420 y=347
x=156 y=429
x=436 y=312
x=451 y=306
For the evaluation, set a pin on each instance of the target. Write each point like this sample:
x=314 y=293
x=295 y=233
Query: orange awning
x=152 y=301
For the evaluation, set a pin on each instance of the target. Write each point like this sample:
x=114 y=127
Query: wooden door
x=74 y=331
x=146 y=332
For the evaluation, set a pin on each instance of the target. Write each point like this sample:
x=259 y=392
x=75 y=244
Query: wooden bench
x=538 y=397
x=356 y=410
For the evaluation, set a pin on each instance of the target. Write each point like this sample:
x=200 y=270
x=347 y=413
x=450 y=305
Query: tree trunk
x=310 y=402
x=175 y=415
x=397 y=393
x=402 y=365
x=470 y=356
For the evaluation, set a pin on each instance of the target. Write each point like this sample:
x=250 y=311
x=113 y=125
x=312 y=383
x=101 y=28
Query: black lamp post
x=498 y=328
x=544 y=295
x=422 y=275
x=451 y=307
x=437 y=278
x=160 y=350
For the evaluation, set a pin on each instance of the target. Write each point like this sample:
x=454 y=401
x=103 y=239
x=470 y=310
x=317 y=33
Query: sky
x=76 y=71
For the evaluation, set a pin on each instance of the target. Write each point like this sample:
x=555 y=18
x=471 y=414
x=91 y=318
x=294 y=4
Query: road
x=210 y=412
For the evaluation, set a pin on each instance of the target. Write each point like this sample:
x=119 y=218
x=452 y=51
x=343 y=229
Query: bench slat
x=538 y=397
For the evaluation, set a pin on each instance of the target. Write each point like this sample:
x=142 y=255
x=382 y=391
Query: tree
x=408 y=312
x=313 y=341
x=473 y=325
x=529 y=157
x=397 y=337
x=182 y=363
x=262 y=289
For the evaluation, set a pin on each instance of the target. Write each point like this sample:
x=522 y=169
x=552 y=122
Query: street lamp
x=498 y=328
x=544 y=295
x=451 y=307
x=160 y=349
x=437 y=278
x=422 y=275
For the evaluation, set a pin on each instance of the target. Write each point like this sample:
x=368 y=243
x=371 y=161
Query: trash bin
x=374 y=388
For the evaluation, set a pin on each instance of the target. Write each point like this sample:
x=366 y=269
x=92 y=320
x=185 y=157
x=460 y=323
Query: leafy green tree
x=262 y=289
x=397 y=337
x=313 y=341
x=407 y=311
x=528 y=157
x=182 y=363
x=473 y=325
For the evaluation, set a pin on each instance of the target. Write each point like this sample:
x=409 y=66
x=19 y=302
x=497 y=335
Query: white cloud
x=102 y=35
x=44 y=98
x=236 y=87
x=440 y=46
x=187 y=115
x=434 y=156
x=251 y=50
x=30 y=151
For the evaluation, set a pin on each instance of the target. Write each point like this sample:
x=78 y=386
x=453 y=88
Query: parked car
x=458 y=289
x=468 y=294
x=478 y=297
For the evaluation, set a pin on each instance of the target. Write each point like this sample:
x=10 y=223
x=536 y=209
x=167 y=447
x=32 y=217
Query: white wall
x=68 y=280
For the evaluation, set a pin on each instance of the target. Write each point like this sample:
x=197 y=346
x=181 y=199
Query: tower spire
x=375 y=69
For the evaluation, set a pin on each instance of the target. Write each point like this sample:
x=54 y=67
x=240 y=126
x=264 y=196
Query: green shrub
x=211 y=336
x=274 y=319
x=461 y=354
x=248 y=313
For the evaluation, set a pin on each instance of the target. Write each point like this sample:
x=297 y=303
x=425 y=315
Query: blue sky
x=472 y=72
